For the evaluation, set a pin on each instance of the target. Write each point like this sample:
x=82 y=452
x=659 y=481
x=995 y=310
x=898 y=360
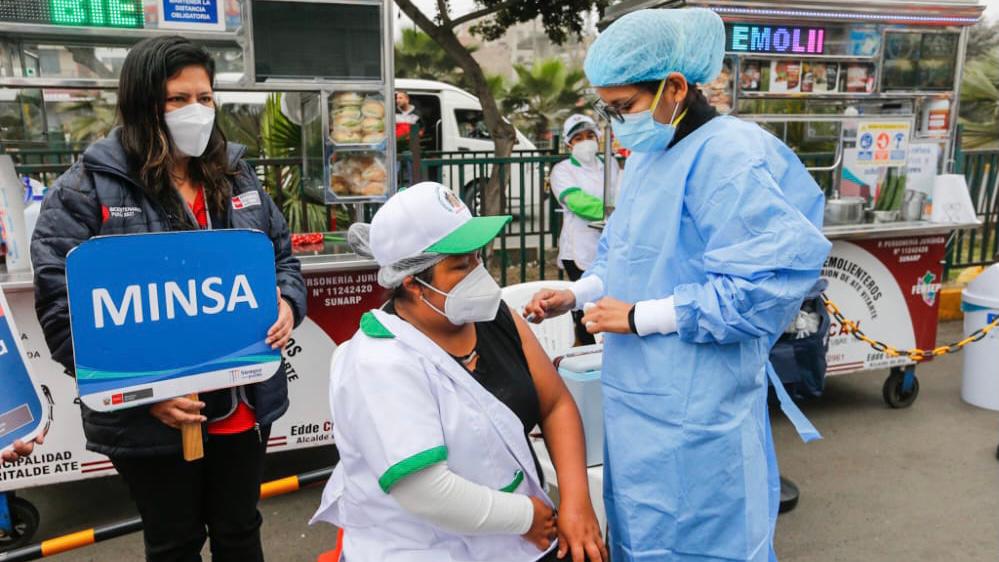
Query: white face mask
x=476 y=298
x=585 y=151
x=190 y=128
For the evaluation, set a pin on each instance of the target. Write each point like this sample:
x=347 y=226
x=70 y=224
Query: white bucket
x=980 y=377
x=581 y=372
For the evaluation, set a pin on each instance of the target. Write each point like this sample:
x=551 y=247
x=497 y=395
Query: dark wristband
x=631 y=320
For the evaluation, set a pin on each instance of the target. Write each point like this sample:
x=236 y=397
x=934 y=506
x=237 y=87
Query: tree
x=546 y=91
x=489 y=21
x=418 y=56
x=980 y=102
x=983 y=38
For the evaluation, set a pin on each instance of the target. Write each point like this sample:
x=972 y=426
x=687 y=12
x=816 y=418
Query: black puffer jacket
x=98 y=196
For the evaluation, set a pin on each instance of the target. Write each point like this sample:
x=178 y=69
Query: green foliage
x=560 y=18
x=980 y=102
x=92 y=119
x=418 y=56
x=268 y=134
x=545 y=94
x=983 y=38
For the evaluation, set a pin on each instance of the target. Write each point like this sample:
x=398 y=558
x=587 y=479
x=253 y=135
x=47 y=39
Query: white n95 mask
x=585 y=151
x=476 y=298
x=190 y=128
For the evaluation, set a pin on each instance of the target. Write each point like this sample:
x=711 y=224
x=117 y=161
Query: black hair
x=144 y=135
x=694 y=94
x=427 y=276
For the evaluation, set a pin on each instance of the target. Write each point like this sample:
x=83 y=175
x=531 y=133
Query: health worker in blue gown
x=715 y=242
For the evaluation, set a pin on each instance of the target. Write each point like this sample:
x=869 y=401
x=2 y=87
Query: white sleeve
x=588 y=289
x=451 y=502
x=657 y=316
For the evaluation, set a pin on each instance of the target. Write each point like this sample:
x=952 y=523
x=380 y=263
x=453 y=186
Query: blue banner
x=156 y=316
x=21 y=414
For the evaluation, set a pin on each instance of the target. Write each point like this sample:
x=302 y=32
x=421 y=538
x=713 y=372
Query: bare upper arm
x=546 y=378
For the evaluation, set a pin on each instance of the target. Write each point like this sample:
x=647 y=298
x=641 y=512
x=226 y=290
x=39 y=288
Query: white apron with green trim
x=400 y=404
x=577 y=187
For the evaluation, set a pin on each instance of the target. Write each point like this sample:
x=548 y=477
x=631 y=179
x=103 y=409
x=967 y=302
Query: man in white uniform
x=578 y=185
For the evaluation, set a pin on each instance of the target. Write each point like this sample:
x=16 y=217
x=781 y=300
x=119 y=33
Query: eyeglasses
x=615 y=111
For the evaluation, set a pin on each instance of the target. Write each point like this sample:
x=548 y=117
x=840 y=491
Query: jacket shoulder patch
x=372 y=328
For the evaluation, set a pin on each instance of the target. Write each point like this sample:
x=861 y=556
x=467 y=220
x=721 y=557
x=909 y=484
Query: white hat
x=429 y=218
x=576 y=124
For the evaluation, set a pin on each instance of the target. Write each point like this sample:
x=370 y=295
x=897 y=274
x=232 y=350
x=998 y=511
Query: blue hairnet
x=650 y=44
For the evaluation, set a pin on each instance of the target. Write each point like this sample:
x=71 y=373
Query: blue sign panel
x=780 y=39
x=21 y=414
x=156 y=316
x=191 y=14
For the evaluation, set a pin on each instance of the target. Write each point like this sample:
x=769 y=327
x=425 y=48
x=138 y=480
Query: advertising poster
x=883 y=143
x=921 y=167
x=750 y=78
x=860 y=78
x=891 y=288
x=336 y=301
x=21 y=413
x=785 y=76
x=820 y=77
x=156 y=316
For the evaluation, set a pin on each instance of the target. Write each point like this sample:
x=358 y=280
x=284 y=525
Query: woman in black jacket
x=168 y=167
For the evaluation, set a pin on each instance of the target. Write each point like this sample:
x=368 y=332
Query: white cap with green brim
x=428 y=218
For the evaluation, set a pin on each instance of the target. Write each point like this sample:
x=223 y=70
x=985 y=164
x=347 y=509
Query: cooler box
x=580 y=369
x=980 y=303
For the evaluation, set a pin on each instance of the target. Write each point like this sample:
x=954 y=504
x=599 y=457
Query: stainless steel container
x=848 y=210
x=912 y=205
x=881 y=217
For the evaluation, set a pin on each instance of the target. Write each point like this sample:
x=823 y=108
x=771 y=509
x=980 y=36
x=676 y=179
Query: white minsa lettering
x=174 y=297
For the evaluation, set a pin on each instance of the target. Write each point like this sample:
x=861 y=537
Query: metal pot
x=848 y=210
x=912 y=205
x=883 y=217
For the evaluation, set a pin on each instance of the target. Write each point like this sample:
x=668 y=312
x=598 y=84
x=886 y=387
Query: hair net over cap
x=390 y=275
x=650 y=44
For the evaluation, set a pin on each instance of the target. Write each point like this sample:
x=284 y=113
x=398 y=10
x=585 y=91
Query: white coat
x=400 y=403
x=578 y=241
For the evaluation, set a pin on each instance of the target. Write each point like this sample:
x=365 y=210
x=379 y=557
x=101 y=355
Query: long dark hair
x=144 y=134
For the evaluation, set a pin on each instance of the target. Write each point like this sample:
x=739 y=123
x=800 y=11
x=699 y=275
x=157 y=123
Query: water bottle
x=33 y=204
x=12 y=217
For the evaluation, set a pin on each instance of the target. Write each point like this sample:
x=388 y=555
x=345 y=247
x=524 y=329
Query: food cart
x=866 y=93
x=324 y=65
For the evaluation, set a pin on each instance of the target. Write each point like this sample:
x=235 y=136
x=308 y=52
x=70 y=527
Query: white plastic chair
x=556 y=335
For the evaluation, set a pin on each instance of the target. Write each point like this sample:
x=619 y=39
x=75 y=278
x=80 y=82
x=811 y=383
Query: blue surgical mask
x=640 y=132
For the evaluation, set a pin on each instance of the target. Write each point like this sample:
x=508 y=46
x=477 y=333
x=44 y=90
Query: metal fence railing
x=528 y=248
x=979 y=246
x=526 y=251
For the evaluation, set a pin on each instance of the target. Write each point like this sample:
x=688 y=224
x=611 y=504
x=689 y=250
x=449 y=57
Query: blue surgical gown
x=727 y=221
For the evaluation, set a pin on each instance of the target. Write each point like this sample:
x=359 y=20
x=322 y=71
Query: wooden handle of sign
x=190 y=434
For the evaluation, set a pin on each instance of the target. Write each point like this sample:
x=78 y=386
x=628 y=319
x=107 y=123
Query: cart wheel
x=789 y=495
x=899 y=392
x=25 y=519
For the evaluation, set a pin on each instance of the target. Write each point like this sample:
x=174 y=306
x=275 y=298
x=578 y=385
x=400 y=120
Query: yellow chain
x=915 y=354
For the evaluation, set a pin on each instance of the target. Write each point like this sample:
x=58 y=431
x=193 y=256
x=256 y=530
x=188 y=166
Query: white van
x=452 y=121
x=451 y=118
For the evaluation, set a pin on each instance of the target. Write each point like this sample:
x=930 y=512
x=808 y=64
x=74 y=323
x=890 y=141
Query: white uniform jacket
x=400 y=404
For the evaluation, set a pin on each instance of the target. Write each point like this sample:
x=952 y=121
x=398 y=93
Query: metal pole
x=88 y=537
x=609 y=195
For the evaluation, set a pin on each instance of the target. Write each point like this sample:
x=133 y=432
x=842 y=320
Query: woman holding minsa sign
x=168 y=167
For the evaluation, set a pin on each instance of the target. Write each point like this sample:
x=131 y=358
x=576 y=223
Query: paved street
x=914 y=485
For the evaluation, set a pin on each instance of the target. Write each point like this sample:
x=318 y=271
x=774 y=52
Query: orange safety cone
x=333 y=555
